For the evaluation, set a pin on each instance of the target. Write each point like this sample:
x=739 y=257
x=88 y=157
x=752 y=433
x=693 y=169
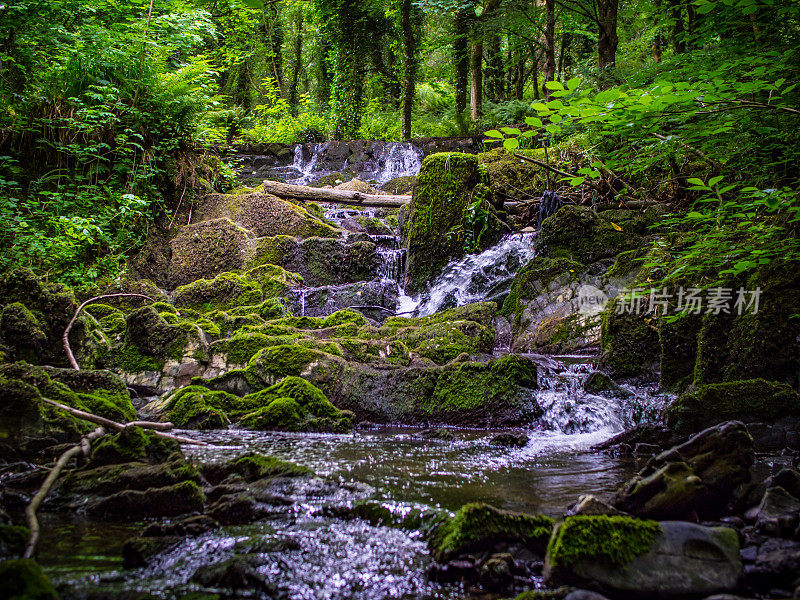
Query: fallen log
x=350 y=197
x=30 y=511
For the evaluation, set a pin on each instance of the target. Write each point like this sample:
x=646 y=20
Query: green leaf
x=696 y=215
x=573 y=83
x=256 y=4
x=554 y=85
x=576 y=181
x=493 y=133
x=715 y=180
x=533 y=121
x=510 y=130
x=695 y=181
x=556 y=118
x=511 y=144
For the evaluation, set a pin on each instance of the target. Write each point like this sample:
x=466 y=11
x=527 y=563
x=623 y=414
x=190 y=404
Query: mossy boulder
x=148 y=341
x=630 y=343
x=23 y=579
x=511 y=177
x=102 y=392
x=13 y=539
x=625 y=557
x=266 y=215
x=197 y=407
x=580 y=234
x=32 y=308
x=434 y=226
x=110 y=479
x=275 y=281
x=480 y=527
x=272 y=364
x=224 y=291
x=319 y=261
x=752 y=400
x=400 y=185
x=134 y=505
x=206 y=249
x=130 y=445
x=250 y=467
x=538 y=276
x=294 y=404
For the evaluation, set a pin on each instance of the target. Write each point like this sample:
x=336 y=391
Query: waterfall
x=397 y=160
x=475 y=277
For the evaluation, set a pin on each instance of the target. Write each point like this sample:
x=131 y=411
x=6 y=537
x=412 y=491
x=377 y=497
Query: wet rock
x=131 y=505
x=109 y=479
x=584 y=595
x=778 y=513
x=479 y=527
x=621 y=555
x=23 y=579
x=252 y=466
x=323 y=301
x=590 y=505
x=188 y=526
x=696 y=477
x=400 y=185
x=753 y=400
x=13 y=540
x=776 y=565
x=598 y=383
x=235 y=509
x=624 y=443
x=139 y=552
x=509 y=440
x=130 y=445
x=237 y=573
x=441 y=434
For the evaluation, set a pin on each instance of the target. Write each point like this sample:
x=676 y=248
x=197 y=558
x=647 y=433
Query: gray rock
x=685 y=560
x=590 y=505
x=584 y=595
x=778 y=514
x=777 y=565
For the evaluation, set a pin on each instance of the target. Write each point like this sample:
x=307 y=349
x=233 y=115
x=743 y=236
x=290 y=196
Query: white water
x=474 y=277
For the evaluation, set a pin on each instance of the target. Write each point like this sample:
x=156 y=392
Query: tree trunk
x=302 y=192
x=461 y=58
x=297 y=61
x=519 y=76
x=678 y=30
x=564 y=58
x=476 y=79
x=607 y=39
x=275 y=36
x=550 y=45
x=410 y=55
x=495 y=76
x=535 y=76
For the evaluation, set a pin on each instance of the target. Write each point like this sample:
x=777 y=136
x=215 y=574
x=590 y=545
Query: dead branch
x=63 y=460
x=302 y=192
x=65 y=337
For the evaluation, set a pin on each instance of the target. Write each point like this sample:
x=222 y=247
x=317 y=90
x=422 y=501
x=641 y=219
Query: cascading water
x=474 y=278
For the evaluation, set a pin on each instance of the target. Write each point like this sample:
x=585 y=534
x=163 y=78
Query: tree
x=411 y=17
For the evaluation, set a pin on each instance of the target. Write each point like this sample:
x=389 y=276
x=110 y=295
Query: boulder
x=140 y=551
x=776 y=566
x=626 y=557
x=694 y=478
x=590 y=506
x=754 y=400
x=205 y=249
x=133 y=505
x=434 y=227
x=778 y=514
x=225 y=291
x=13 y=539
x=479 y=527
x=237 y=573
x=23 y=579
x=251 y=466
x=265 y=215
x=509 y=440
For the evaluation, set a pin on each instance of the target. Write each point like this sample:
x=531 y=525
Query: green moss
x=152 y=335
x=628 y=263
x=275 y=281
x=113 y=323
x=443 y=190
x=535 y=278
x=511 y=177
x=23 y=579
x=477 y=527
x=629 y=342
x=198 y=407
x=615 y=540
x=468 y=386
x=750 y=400
x=13 y=539
x=130 y=359
x=277 y=362
x=400 y=185
x=307 y=395
x=578 y=233
x=21 y=331
x=283 y=414
x=224 y=291
x=341 y=317
x=253 y=466
x=373 y=226
x=132 y=444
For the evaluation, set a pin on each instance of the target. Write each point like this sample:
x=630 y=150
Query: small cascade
x=396 y=160
x=476 y=277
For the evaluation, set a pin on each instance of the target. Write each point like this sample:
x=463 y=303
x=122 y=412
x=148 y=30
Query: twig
x=692 y=149
x=546 y=166
x=157 y=428
x=63 y=460
x=65 y=336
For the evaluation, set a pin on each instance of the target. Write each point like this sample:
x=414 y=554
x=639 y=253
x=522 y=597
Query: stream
x=309 y=554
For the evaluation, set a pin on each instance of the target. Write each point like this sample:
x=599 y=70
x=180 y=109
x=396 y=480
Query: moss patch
x=227 y=290
x=615 y=540
x=477 y=527
x=23 y=579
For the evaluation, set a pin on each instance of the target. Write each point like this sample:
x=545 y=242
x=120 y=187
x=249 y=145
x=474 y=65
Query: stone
x=139 y=552
x=509 y=440
x=668 y=559
x=237 y=573
x=777 y=565
x=778 y=514
x=590 y=505
x=697 y=477
x=132 y=505
x=23 y=579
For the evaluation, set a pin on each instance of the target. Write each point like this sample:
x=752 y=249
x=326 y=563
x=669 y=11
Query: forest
x=380 y=299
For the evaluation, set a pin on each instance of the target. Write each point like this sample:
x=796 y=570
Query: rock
x=109 y=479
x=235 y=509
x=446 y=184
x=659 y=559
x=21 y=332
x=696 y=477
x=23 y=579
x=578 y=233
x=479 y=527
x=13 y=540
x=400 y=185
x=250 y=467
x=439 y=433
x=132 y=505
x=319 y=261
x=778 y=514
x=598 y=383
x=138 y=552
x=584 y=595
x=590 y=505
x=265 y=215
x=651 y=434
x=777 y=565
x=188 y=526
x=752 y=400
x=225 y=291
x=509 y=440
x=206 y=249
x=323 y=301
x=237 y=573
x=132 y=444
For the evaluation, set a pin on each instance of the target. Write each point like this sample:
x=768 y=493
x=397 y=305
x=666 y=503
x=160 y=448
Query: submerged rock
x=509 y=440
x=644 y=559
x=237 y=573
x=132 y=505
x=23 y=579
x=694 y=478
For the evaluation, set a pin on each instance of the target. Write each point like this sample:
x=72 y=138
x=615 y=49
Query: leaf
x=554 y=85
x=696 y=215
x=510 y=130
x=533 y=121
x=511 y=144
x=615 y=226
x=573 y=83
x=696 y=181
x=493 y=133
x=715 y=180
x=576 y=181
x=255 y=4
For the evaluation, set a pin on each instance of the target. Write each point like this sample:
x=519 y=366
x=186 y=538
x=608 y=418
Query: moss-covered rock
x=275 y=281
x=21 y=333
x=616 y=540
x=511 y=177
x=206 y=249
x=434 y=227
x=479 y=527
x=109 y=479
x=630 y=343
x=130 y=445
x=13 y=539
x=400 y=185
x=227 y=290
x=252 y=466
x=134 y=505
x=23 y=579
x=319 y=261
x=103 y=393
x=753 y=400
x=274 y=363
x=266 y=215
x=148 y=341
x=580 y=234
x=196 y=407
